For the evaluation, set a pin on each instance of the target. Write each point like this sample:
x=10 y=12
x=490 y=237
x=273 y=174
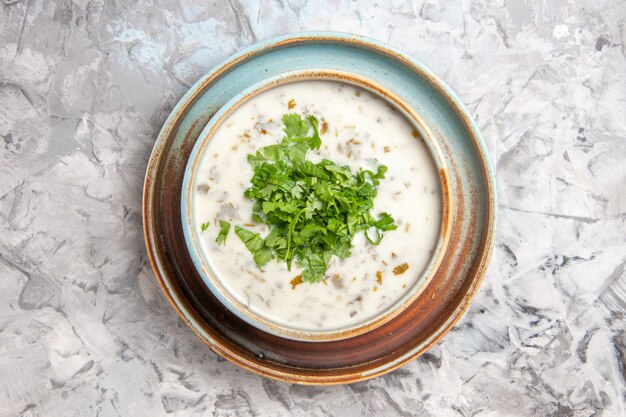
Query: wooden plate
x=428 y=317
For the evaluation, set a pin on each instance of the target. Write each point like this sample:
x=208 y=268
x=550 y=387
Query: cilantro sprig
x=313 y=210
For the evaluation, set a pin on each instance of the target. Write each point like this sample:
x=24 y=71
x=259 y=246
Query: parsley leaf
x=315 y=264
x=204 y=226
x=255 y=244
x=224 y=229
x=274 y=153
x=253 y=241
x=295 y=126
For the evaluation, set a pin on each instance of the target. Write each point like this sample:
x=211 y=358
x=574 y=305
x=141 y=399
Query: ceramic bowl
x=191 y=220
x=424 y=320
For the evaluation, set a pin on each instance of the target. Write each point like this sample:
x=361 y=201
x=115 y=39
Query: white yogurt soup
x=358 y=129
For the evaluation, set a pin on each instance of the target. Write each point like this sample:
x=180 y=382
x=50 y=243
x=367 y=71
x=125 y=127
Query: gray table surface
x=84 y=89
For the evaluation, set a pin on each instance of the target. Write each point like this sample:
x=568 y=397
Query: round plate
x=428 y=317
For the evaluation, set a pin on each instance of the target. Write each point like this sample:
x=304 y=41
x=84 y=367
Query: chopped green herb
x=224 y=229
x=313 y=210
x=255 y=244
x=204 y=226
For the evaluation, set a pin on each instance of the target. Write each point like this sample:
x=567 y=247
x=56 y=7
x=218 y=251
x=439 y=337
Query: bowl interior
x=190 y=217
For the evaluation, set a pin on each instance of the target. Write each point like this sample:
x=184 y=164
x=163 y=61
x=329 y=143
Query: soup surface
x=358 y=129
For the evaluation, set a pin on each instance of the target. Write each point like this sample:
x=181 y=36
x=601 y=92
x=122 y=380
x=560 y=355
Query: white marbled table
x=84 y=89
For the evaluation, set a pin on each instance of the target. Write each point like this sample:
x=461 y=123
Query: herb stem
x=292 y=226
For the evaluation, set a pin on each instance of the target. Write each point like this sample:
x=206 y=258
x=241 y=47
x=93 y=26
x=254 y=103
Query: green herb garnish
x=256 y=245
x=204 y=226
x=224 y=229
x=313 y=210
